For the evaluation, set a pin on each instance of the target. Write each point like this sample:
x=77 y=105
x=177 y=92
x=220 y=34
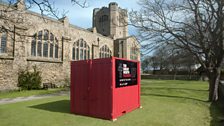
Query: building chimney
x=94 y=30
x=20 y=5
x=65 y=21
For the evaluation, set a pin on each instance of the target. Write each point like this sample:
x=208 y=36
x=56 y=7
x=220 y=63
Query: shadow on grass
x=62 y=106
x=146 y=90
x=168 y=88
x=169 y=96
x=217 y=113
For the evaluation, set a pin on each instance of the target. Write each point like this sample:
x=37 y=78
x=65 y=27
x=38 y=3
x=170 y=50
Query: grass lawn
x=13 y=94
x=165 y=103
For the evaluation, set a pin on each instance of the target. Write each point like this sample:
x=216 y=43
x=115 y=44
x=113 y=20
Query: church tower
x=111 y=21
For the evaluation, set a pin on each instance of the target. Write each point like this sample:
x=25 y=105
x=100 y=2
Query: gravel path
x=20 y=99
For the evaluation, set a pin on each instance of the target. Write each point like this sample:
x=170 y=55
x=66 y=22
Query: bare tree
x=150 y=63
x=11 y=14
x=13 y=20
x=160 y=58
x=193 y=25
x=145 y=64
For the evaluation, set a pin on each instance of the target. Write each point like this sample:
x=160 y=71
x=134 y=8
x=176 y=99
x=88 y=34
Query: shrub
x=29 y=80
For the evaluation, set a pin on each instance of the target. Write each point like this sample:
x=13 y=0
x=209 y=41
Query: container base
x=113 y=120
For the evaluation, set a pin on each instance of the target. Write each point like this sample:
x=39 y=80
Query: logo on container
x=126 y=71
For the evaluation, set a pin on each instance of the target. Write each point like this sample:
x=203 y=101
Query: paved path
x=20 y=99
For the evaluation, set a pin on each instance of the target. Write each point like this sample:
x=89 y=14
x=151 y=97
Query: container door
x=81 y=81
x=100 y=94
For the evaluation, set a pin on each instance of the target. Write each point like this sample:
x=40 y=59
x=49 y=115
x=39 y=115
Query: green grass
x=165 y=103
x=14 y=94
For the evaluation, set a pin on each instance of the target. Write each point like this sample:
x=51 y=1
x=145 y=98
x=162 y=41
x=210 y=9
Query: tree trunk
x=154 y=71
x=189 y=73
x=214 y=78
x=175 y=73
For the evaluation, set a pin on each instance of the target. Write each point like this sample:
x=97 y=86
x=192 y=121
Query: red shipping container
x=105 y=88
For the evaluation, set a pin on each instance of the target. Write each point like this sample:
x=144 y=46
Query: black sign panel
x=126 y=73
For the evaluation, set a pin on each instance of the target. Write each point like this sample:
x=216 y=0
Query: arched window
x=80 y=50
x=44 y=44
x=45 y=53
x=56 y=48
x=3 y=46
x=134 y=53
x=45 y=47
x=104 y=18
x=46 y=34
x=39 y=44
x=51 y=45
x=33 y=47
x=105 y=52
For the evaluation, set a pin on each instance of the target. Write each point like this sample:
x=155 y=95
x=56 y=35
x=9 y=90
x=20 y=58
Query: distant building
x=51 y=44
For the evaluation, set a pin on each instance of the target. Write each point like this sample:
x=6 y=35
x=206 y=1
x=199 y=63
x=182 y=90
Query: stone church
x=32 y=39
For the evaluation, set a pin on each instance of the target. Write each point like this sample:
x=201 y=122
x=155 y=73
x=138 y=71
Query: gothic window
x=33 y=47
x=45 y=53
x=134 y=53
x=51 y=49
x=105 y=52
x=104 y=18
x=52 y=37
x=39 y=48
x=121 y=49
x=88 y=53
x=73 y=53
x=46 y=34
x=3 y=46
x=80 y=50
x=40 y=35
x=56 y=49
x=77 y=54
x=44 y=44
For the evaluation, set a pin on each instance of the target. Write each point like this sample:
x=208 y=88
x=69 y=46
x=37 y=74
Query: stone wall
x=8 y=75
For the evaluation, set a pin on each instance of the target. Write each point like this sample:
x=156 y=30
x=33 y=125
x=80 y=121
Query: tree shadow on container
x=217 y=113
x=62 y=106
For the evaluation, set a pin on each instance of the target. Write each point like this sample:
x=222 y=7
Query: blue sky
x=83 y=16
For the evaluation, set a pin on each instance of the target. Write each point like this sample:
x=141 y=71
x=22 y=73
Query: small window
x=134 y=53
x=85 y=55
x=105 y=52
x=40 y=35
x=88 y=53
x=77 y=53
x=39 y=48
x=45 y=53
x=81 y=44
x=80 y=50
x=51 y=50
x=104 y=18
x=51 y=37
x=56 y=48
x=3 y=45
x=81 y=54
x=73 y=53
x=46 y=35
x=33 y=47
x=56 y=51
